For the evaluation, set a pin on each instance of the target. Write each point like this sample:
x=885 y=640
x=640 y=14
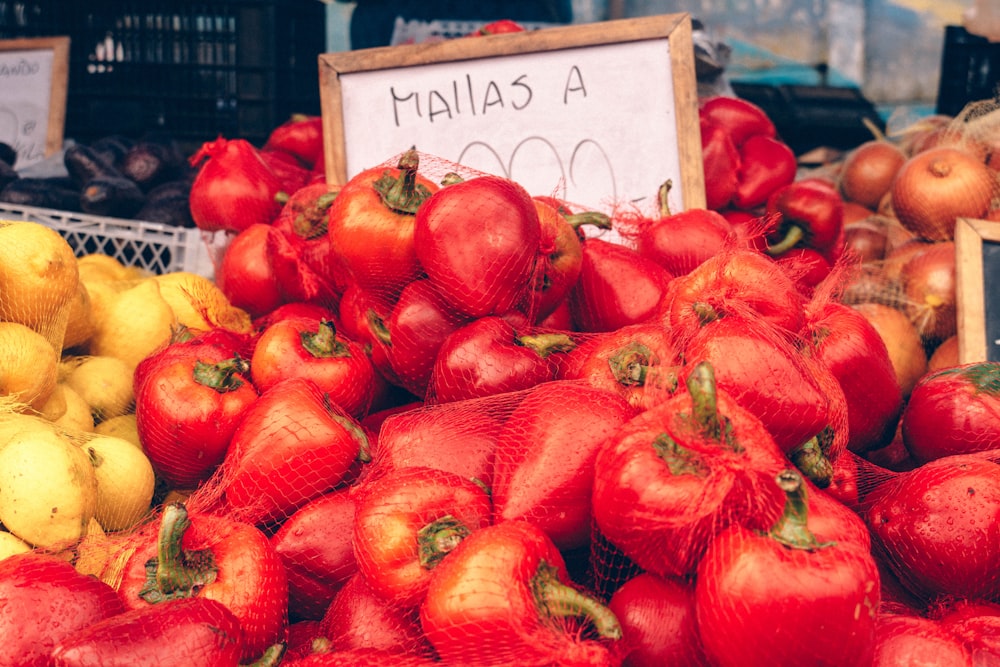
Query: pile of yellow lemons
x=72 y=331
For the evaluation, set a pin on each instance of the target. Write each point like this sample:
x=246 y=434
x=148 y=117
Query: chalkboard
x=598 y=114
x=33 y=77
x=977 y=289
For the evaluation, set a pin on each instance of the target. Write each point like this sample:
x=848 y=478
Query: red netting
x=465 y=424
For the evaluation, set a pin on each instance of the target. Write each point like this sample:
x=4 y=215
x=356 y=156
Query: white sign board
x=599 y=115
x=33 y=101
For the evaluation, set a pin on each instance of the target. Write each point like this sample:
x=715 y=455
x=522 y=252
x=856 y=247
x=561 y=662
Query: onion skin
x=928 y=282
x=938 y=185
x=868 y=171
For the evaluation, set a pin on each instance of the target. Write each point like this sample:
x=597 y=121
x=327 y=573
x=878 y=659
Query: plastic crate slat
x=153 y=246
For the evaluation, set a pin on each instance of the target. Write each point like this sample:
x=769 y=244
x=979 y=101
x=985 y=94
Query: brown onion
x=868 y=171
x=938 y=185
x=928 y=281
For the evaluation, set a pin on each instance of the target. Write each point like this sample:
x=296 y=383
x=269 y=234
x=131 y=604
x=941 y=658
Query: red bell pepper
x=681 y=241
x=205 y=632
x=549 y=443
x=459 y=437
x=812 y=216
x=300 y=136
x=407 y=522
x=313 y=349
x=214 y=557
x=358 y=618
x=503 y=597
x=734 y=282
x=291 y=446
x=744 y=160
x=658 y=622
x=617 y=286
x=189 y=398
x=43 y=599
x=676 y=474
x=791 y=595
x=490 y=356
x=417 y=326
x=793 y=404
x=640 y=362
x=315 y=546
x=302 y=255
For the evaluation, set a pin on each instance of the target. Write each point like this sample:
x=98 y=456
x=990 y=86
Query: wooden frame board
x=599 y=114
x=34 y=74
x=977 y=289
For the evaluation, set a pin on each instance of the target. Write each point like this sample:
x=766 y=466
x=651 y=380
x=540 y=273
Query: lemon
x=133 y=324
x=125 y=481
x=48 y=489
x=38 y=278
x=28 y=365
x=103 y=382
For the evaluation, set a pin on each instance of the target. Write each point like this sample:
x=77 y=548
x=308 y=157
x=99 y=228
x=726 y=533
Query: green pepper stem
x=356 y=432
x=378 y=327
x=705 y=399
x=630 y=365
x=812 y=462
x=547 y=343
x=323 y=343
x=662 y=198
x=554 y=598
x=593 y=218
x=174 y=573
x=224 y=376
x=791 y=528
x=793 y=235
x=438 y=538
x=402 y=193
x=270 y=658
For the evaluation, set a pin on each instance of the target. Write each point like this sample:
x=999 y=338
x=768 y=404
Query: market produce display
x=428 y=417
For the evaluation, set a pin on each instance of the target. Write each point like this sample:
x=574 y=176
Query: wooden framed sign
x=598 y=114
x=34 y=74
x=977 y=289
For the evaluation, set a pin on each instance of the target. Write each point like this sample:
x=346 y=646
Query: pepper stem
x=810 y=459
x=662 y=198
x=270 y=658
x=438 y=538
x=631 y=364
x=402 y=193
x=174 y=573
x=791 y=528
x=223 y=377
x=793 y=235
x=323 y=343
x=705 y=406
x=594 y=218
x=546 y=344
x=554 y=598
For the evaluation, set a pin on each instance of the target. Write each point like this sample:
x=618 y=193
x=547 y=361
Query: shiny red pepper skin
x=208 y=556
x=43 y=599
x=812 y=216
x=202 y=630
x=744 y=160
x=501 y=597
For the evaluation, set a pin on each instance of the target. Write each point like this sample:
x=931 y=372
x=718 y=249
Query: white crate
x=157 y=247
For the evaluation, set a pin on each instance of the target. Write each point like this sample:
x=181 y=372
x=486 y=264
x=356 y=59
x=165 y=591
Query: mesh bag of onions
x=452 y=422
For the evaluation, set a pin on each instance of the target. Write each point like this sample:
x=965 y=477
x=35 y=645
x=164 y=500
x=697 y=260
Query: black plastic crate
x=808 y=117
x=193 y=70
x=970 y=70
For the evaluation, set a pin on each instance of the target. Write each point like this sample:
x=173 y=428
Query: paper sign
x=599 y=115
x=33 y=81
